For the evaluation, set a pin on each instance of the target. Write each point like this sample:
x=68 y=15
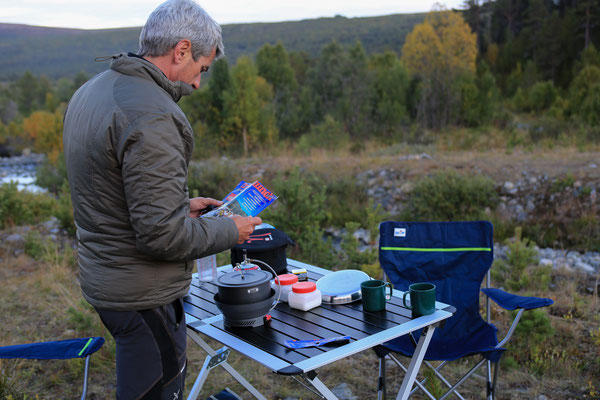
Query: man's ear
x=182 y=50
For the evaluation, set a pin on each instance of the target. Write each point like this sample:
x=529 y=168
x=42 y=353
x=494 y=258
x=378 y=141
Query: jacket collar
x=134 y=65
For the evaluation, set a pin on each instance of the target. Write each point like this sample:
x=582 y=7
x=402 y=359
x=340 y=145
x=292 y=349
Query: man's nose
x=196 y=82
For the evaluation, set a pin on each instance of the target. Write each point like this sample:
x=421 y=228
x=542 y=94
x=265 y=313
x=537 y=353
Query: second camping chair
x=455 y=256
x=57 y=350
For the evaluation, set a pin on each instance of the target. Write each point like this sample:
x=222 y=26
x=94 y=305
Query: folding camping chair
x=455 y=256
x=58 y=350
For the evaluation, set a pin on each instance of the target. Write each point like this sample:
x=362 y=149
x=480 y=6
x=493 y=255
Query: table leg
x=415 y=363
x=204 y=372
x=320 y=386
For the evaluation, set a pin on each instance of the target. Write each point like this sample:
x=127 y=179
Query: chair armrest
x=510 y=301
x=62 y=349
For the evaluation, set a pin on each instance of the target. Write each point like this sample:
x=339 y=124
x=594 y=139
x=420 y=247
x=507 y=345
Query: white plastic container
x=286 y=281
x=304 y=296
x=207 y=268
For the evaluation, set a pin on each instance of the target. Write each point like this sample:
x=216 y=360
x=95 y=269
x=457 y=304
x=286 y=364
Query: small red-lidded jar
x=286 y=281
x=304 y=296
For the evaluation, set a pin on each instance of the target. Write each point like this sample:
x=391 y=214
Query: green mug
x=422 y=298
x=374 y=294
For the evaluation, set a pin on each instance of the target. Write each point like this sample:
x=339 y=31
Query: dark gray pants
x=151 y=351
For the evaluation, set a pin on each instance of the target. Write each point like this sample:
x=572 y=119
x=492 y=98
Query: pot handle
x=274 y=275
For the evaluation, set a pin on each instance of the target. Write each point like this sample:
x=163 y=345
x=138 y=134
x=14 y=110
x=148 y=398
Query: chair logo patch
x=399 y=232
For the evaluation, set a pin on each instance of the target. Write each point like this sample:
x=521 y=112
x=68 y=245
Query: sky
x=101 y=14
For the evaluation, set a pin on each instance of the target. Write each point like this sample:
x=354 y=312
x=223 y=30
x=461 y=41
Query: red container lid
x=286 y=279
x=304 y=287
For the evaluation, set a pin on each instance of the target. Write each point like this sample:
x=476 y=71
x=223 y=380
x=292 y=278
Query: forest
x=495 y=64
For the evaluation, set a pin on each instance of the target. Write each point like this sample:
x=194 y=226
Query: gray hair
x=175 y=20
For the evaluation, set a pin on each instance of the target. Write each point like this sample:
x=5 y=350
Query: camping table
x=265 y=344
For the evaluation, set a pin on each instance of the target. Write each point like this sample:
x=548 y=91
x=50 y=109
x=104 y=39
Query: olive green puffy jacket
x=127 y=147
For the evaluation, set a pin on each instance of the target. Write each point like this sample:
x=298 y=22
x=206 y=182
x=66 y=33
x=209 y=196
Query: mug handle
x=388 y=297
x=404 y=300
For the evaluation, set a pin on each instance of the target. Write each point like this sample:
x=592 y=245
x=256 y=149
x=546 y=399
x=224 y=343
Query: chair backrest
x=455 y=256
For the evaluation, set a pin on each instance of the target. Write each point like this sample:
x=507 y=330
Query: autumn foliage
x=45 y=131
x=439 y=51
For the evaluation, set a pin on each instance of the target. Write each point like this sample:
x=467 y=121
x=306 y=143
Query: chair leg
x=464 y=378
x=493 y=391
x=85 y=376
x=442 y=378
x=381 y=380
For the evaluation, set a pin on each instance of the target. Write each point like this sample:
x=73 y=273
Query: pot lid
x=344 y=284
x=247 y=278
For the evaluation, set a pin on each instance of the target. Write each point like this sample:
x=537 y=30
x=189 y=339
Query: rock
x=530 y=206
x=407 y=187
x=545 y=262
x=15 y=239
x=542 y=397
x=52 y=223
x=508 y=186
x=343 y=392
x=362 y=235
x=580 y=265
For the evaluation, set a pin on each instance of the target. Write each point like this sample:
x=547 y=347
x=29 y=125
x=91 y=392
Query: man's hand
x=245 y=226
x=197 y=204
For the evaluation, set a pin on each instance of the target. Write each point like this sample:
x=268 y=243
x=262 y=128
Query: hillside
x=57 y=52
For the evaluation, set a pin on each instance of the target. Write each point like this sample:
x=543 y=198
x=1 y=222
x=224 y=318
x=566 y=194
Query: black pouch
x=267 y=245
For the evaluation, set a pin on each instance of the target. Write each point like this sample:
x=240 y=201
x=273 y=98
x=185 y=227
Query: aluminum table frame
x=264 y=344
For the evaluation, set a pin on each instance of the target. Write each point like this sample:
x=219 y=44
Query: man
x=127 y=148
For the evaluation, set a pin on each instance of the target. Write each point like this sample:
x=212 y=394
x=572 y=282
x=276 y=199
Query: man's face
x=191 y=71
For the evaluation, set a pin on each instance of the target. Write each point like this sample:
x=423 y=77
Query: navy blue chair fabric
x=62 y=349
x=455 y=256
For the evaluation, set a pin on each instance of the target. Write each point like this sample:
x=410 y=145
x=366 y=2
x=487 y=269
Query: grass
x=562 y=364
x=566 y=365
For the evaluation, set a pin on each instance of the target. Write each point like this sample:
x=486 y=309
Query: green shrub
x=547 y=127
x=352 y=257
x=542 y=96
x=590 y=108
x=213 y=179
x=449 y=196
x=300 y=212
x=560 y=184
x=22 y=207
x=531 y=345
x=350 y=200
x=64 y=209
x=582 y=87
x=329 y=134
x=45 y=249
x=35 y=246
x=520 y=269
x=52 y=176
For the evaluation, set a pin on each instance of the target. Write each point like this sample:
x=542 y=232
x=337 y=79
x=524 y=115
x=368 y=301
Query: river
x=22 y=171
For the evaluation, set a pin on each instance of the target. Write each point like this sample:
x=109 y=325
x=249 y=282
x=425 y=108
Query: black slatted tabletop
x=265 y=343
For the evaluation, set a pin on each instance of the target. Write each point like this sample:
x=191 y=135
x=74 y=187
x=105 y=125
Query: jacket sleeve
x=154 y=172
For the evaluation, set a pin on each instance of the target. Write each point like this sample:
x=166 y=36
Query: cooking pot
x=244 y=286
